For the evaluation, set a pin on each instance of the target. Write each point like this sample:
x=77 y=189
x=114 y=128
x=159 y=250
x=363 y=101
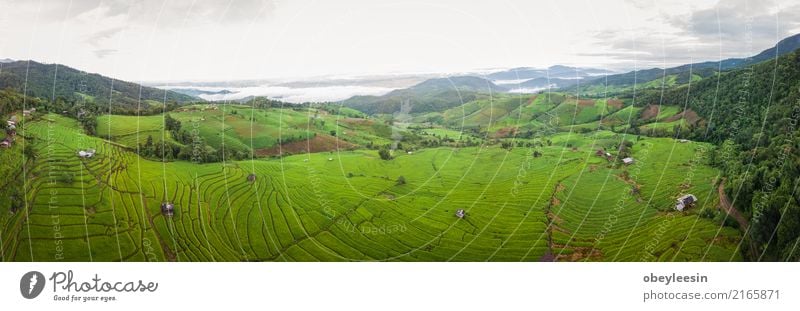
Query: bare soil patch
x=649 y=112
x=616 y=103
x=320 y=143
x=356 y=121
x=689 y=115
x=505 y=132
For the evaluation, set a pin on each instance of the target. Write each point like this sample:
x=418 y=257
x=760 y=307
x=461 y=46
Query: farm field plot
x=241 y=127
x=354 y=206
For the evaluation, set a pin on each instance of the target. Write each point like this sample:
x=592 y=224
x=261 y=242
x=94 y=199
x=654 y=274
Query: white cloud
x=235 y=39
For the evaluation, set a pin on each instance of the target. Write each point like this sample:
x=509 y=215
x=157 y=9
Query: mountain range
x=444 y=93
x=557 y=71
x=50 y=81
x=685 y=73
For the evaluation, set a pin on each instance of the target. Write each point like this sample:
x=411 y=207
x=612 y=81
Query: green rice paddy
x=566 y=203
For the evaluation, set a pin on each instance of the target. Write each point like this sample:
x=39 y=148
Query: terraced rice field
x=349 y=205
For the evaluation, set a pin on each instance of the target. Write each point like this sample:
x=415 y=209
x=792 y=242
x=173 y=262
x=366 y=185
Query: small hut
x=460 y=213
x=86 y=153
x=685 y=201
x=167 y=209
x=627 y=161
x=251 y=177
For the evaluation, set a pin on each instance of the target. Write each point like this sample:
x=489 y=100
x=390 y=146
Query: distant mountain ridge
x=539 y=83
x=197 y=92
x=463 y=83
x=556 y=71
x=430 y=95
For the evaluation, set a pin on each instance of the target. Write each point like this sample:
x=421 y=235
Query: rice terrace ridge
x=194 y=139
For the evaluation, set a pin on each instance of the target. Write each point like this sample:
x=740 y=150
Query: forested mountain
x=430 y=95
x=52 y=81
x=752 y=114
x=684 y=73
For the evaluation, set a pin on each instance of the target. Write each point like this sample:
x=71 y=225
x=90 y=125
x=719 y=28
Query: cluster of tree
x=197 y=150
x=11 y=101
x=162 y=150
x=264 y=103
x=385 y=154
x=508 y=144
x=189 y=147
x=172 y=125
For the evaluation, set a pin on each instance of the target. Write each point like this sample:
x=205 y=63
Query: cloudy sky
x=172 y=40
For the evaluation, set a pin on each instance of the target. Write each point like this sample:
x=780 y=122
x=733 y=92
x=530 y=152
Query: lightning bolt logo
x=31 y=284
x=34 y=280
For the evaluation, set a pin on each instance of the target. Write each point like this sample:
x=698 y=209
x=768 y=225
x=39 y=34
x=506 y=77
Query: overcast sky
x=156 y=40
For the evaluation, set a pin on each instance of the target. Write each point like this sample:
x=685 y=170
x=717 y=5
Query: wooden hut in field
x=86 y=153
x=685 y=201
x=251 y=178
x=167 y=209
x=627 y=161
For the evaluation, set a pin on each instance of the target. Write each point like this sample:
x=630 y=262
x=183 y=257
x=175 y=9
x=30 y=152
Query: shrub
x=385 y=154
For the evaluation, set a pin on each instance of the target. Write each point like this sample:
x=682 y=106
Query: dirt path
x=551 y=219
x=726 y=205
